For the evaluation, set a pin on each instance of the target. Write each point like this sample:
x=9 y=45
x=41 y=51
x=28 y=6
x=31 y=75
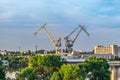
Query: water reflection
x=115 y=72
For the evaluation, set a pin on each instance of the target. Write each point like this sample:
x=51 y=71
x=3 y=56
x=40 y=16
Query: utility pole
x=35 y=48
x=19 y=48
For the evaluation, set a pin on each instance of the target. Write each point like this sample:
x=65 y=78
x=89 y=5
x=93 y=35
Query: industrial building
x=111 y=49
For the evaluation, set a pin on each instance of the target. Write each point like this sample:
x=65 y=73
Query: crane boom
x=76 y=36
x=69 y=43
x=40 y=28
x=49 y=36
x=73 y=31
x=57 y=34
x=81 y=28
x=56 y=43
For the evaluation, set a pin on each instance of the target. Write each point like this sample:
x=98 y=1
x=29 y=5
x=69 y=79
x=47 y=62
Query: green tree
x=50 y=67
x=94 y=69
x=56 y=76
x=98 y=69
x=40 y=51
x=2 y=72
x=28 y=73
x=70 y=72
x=44 y=66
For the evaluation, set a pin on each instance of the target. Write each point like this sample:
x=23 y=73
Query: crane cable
x=54 y=32
x=73 y=31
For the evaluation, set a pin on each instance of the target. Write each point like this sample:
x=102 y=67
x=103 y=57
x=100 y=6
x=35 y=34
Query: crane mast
x=56 y=43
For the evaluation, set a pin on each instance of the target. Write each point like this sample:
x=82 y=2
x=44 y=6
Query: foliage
x=94 y=69
x=2 y=72
x=48 y=61
x=70 y=72
x=16 y=60
x=50 y=67
x=44 y=66
x=98 y=68
x=56 y=76
x=29 y=73
x=45 y=51
x=40 y=51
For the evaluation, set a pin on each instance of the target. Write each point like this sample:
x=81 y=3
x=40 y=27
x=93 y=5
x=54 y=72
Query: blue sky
x=19 y=19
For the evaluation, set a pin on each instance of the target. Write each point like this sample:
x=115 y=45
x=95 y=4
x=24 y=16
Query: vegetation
x=50 y=67
x=16 y=59
x=42 y=66
x=70 y=72
x=29 y=73
x=44 y=51
x=94 y=69
x=2 y=72
x=98 y=69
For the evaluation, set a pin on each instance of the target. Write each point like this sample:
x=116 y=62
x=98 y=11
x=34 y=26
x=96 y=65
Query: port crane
x=57 y=43
x=69 y=42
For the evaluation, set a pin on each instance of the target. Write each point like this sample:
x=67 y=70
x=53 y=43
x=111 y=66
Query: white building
x=3 y=52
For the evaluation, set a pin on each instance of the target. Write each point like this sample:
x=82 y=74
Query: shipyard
x=59 y=40
x=67 y=54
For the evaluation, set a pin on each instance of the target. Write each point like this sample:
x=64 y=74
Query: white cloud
x=65 y=14
x=5 y=16
x=3 y=2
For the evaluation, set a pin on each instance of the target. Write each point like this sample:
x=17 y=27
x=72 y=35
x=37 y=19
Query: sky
x=19 y=19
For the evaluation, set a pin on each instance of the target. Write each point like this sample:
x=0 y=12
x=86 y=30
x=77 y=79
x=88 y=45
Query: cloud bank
x=101 y=18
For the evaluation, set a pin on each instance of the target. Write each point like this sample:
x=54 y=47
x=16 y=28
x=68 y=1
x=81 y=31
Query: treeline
x=2 y=72
x=16 y=60
x=51 y=67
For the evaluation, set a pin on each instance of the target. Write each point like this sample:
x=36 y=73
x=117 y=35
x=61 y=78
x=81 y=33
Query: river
x=115 y=73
